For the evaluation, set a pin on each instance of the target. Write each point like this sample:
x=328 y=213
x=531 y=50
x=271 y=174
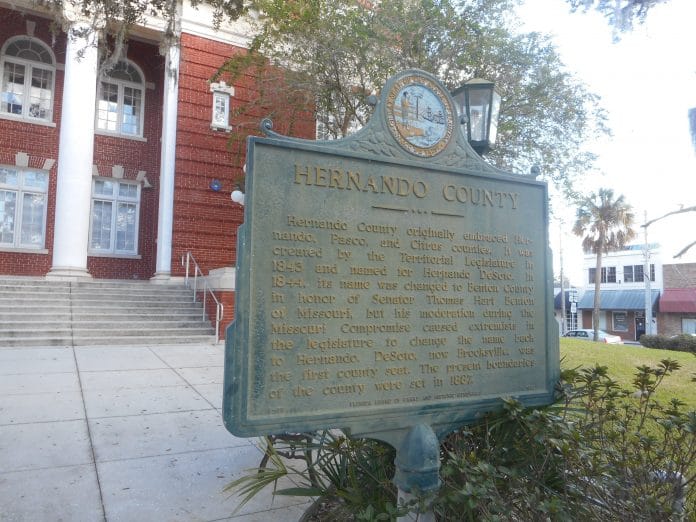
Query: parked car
x=588 y=335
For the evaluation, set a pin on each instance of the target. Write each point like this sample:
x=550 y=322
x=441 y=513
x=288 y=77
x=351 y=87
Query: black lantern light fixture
x=479 y=106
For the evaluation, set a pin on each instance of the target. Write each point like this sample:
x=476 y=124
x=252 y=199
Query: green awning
x=618 y=300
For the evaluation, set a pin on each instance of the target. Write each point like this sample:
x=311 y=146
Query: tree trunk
x=597 y=301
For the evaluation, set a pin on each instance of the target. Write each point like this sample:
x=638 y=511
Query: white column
x=75 y=155
x=165 y=218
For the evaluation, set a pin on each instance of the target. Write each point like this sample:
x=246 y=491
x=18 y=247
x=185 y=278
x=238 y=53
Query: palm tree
x=606 y=224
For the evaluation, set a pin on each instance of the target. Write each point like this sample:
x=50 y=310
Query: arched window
x=120 y=100
x=28 y=75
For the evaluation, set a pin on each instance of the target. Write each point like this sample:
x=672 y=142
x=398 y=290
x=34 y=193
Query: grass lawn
x=622 y=361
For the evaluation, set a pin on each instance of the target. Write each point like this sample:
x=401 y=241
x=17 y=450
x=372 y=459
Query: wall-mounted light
x=237 y=196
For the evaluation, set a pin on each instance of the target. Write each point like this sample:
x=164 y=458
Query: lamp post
x=479 y=107
x=646 y=279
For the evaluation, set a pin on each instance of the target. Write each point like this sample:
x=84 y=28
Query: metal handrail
x=219 y=308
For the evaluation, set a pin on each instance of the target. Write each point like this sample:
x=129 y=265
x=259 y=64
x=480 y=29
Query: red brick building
x=118 y=174
x=678 y=300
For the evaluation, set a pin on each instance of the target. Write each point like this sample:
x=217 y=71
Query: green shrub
x=684 y=343
x=679 y=343
x=603 y=454
x=600 y=453
x=654 y=341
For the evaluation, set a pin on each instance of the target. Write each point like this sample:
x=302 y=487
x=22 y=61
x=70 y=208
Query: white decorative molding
x=220 y=118
x=221 y=86
x=48 y=164
x=31 y=27
x=22 y=159
x=223 y=279
x=142 y=178
x=199 y=21
x=117 y=171
x=95 y=171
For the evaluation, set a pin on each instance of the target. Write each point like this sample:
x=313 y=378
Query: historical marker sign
x=389 y=279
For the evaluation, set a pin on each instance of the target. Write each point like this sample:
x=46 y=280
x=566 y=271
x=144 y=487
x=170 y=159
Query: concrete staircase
x=36 y=312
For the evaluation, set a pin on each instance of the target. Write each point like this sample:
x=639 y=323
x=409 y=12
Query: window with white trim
x=635 y=273
x=619 y=321
x=120 y=100
x=28 y=76
x=689 y=325
x=23 y=195
x=221 y=105
x=115 y=217
x=608 y=274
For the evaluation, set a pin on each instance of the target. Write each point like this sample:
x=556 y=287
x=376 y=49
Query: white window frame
x=100 y=124
x=115 y=199
x=619 y=328
x=30 y=66
x=21 y=189
x=220 y=114
x=689 y=325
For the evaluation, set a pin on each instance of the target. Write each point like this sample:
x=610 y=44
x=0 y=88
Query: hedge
x=677 y=343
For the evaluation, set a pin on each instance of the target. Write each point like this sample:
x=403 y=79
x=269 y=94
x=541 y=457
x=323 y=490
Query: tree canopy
x=605 y=223
x=338 y=53
x=620 y=14
x=331 y=55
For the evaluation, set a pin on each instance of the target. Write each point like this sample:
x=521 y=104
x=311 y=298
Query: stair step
x=160 y=339
x=48 y=315
x=36 y=341
x=126 y=300
x=35 y=312
x=100 y=341
x=93 y=324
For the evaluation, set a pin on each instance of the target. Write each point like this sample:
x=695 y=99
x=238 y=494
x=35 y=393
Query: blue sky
x=647 y=83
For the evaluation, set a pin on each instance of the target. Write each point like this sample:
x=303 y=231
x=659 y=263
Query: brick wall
x=681 y=275
x=226 y=298
x=40 y=142
x=205 y=222
x=670 y=324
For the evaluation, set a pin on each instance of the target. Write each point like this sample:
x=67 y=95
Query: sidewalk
x=127 y=433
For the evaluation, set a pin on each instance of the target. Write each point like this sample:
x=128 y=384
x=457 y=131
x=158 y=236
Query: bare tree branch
x=684 y=250
x=680 y=211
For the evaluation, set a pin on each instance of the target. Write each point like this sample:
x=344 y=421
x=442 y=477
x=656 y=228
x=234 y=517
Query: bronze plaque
x=378 y=292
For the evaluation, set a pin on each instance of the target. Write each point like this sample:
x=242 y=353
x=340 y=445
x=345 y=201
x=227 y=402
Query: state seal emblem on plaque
x=419 y=115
